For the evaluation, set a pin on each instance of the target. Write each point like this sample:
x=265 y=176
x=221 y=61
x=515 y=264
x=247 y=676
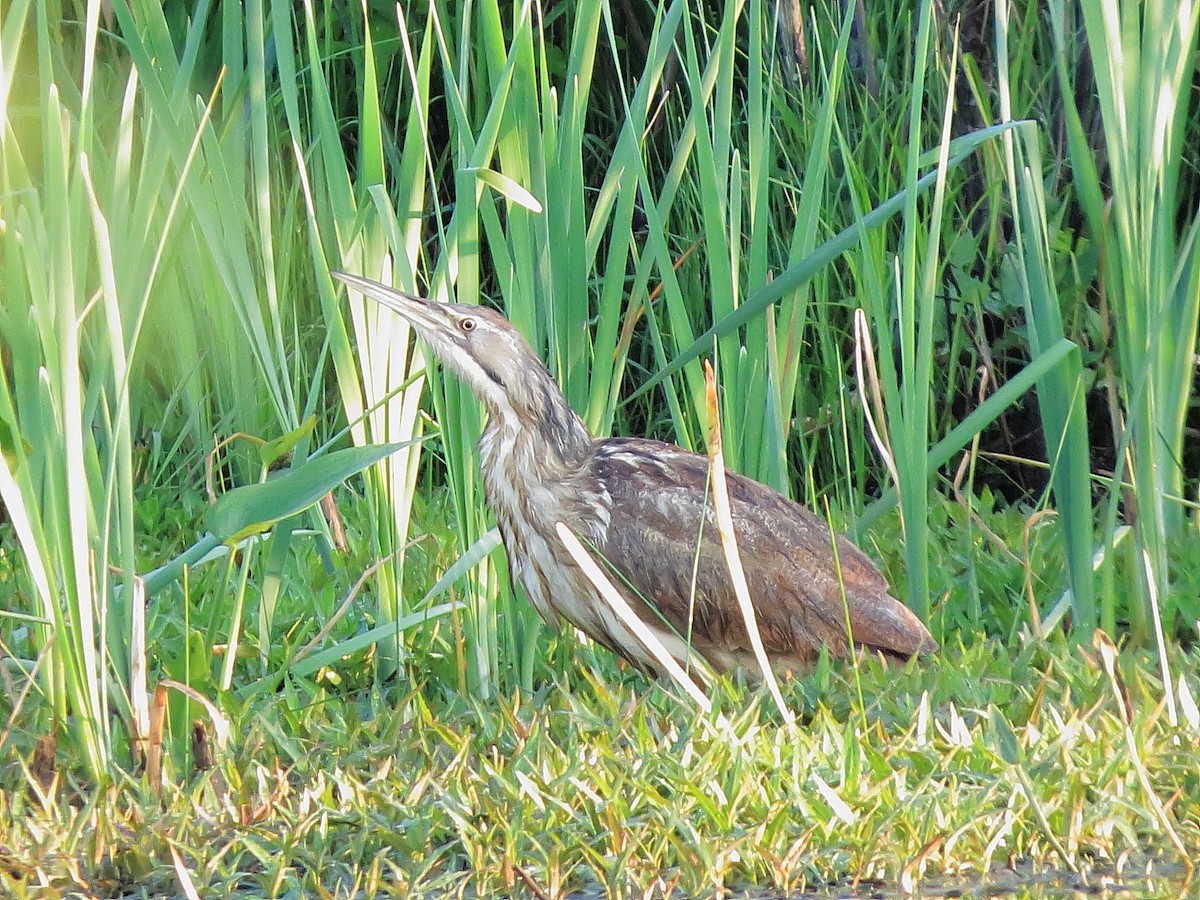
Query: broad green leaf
x=256 y=507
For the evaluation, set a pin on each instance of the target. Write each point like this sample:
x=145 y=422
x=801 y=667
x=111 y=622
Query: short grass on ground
x=986 y=763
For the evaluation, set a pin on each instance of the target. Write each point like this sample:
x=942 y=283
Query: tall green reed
x=1143 y=59
x=78 y=273
x=1061 y=394
x=353 y=225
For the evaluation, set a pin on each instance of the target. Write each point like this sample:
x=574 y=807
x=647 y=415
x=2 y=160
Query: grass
x=1000 y=759
x=612 y=788
x=177 y=187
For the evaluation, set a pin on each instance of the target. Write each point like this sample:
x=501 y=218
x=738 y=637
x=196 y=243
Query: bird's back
x=661 y=528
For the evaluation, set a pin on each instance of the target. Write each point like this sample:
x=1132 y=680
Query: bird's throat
x=519 y=454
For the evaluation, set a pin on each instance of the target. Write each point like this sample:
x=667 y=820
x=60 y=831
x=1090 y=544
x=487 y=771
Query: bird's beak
x=421 y=313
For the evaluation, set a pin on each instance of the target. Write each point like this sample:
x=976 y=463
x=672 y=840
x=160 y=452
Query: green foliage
x=1148 y=234
x=610 y=787
x=178 y=185
x=254 y=508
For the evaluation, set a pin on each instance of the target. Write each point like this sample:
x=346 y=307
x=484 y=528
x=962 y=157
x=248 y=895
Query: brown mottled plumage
x=639 y=503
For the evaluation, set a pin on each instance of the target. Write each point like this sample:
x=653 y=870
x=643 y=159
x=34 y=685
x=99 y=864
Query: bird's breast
x=531 y=490
x=535 y=486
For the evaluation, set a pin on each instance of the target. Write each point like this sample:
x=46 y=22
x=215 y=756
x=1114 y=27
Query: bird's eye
x=467 y=324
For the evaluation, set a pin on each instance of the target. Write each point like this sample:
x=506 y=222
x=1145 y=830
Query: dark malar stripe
x=492 y=374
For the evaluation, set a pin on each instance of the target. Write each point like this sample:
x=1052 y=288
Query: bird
x=643 y=507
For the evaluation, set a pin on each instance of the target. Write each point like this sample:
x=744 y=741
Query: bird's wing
x=661 y=530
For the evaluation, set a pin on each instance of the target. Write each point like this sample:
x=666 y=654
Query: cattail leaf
x=508 y=188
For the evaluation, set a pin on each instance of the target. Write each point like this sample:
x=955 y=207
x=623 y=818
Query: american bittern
x=640 y=504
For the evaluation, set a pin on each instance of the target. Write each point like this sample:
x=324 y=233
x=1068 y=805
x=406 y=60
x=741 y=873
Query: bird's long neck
x=535 y=434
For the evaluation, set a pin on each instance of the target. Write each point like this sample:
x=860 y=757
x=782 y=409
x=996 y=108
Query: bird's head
x=475 y=343
x=483 y=349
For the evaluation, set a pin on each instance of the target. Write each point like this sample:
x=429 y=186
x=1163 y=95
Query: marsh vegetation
x=256 y=635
